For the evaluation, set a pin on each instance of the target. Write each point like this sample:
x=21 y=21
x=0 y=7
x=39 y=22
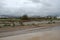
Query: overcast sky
x=30 y=7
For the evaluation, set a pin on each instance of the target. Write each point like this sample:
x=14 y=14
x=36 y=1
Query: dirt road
x=50 y=33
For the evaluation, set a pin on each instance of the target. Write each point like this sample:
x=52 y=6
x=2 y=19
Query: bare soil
x=5 y=29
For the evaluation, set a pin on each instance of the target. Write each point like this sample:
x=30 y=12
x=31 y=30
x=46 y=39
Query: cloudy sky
x=30 y=7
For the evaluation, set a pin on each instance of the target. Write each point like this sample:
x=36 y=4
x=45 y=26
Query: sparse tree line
x=25 y=18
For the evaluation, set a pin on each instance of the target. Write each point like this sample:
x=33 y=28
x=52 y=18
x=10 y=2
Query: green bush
x=33 y=24
x=49 y=22
x=53 y=22
x=7 y=25
x=0 y=27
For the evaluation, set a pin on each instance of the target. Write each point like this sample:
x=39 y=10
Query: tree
x=24 y=17
x=55 y=17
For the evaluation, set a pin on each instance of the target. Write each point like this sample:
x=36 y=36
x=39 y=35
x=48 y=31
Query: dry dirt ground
x=53 y=34
x=5 y=29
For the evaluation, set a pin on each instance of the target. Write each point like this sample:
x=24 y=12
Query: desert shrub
x=0 y=27
x=21 y=23
x=38 y=24
x=28 y=24
x=49 y=22
x=33 y=24
x=7 y=25
x=53 y=22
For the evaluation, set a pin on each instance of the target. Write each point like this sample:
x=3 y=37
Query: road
x=19 y=32
x=53 y=32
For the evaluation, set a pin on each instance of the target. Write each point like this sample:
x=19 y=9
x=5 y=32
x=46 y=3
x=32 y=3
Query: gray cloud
x=1 y=6
x=31 y=7
x=35 y=1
